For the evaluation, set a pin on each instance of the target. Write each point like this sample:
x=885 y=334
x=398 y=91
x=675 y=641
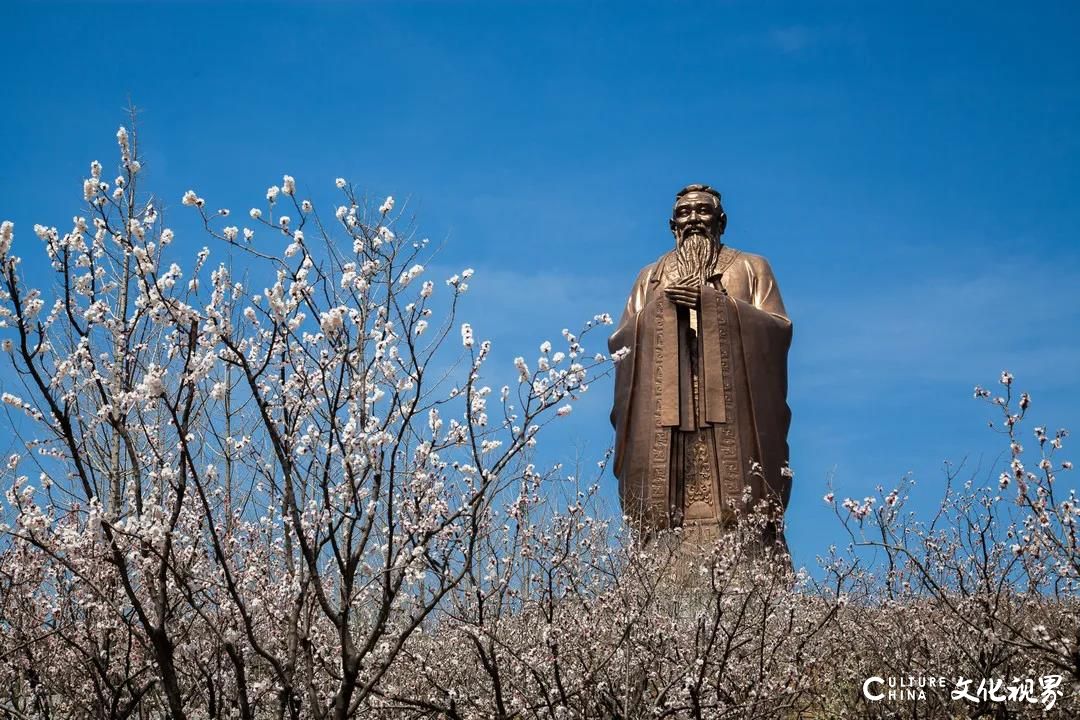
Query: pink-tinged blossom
x=153 y=382
x=288 y=185
x=389 y=500
x=123 y=142
x=332 y=321
x=16 y=401
x=522 y=368
x=387 y=206
x=7 y=234
x=410 y=275
x=218 y=391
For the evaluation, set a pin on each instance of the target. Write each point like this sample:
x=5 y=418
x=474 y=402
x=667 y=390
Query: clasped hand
x=685 y=292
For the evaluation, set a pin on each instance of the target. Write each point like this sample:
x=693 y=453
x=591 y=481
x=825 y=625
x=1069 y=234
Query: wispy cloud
x=799 y=38
x=940 y=329
x=793 y=38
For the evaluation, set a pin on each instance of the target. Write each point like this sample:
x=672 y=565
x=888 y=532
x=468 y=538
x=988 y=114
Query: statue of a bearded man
x=700 y=414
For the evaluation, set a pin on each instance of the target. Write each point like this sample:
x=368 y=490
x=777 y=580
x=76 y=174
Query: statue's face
x=697 y=213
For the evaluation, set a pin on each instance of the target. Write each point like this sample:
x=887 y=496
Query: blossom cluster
x=293 y=487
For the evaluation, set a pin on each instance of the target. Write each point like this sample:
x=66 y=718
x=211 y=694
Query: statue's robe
x=700 y=410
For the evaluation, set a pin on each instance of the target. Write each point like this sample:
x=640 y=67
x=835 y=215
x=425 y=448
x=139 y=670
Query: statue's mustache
x=694 y=232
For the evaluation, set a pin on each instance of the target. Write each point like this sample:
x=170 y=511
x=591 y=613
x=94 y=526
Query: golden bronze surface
x=700 y=411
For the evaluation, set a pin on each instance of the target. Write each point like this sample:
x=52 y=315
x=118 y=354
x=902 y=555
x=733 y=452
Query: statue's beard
x=695 y=255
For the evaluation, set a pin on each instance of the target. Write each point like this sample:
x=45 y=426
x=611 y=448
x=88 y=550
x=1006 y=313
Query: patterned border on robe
x=665 y=414
x=643 y=431
x=716 y=340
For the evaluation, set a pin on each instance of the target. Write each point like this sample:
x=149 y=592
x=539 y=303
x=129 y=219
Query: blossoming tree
x=280 y=484
x=261 y=485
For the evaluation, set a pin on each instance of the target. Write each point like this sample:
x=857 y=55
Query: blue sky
x=911 y=173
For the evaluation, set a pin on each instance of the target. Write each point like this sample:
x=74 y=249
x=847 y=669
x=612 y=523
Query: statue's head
x=698 y=212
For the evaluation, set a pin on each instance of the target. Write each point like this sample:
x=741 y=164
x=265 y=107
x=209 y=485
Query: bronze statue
x=700 y=410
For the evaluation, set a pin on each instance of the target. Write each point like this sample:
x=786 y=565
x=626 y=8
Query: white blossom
x=152 y=384
x=7 y=234
x=332 y=321
x=522 y=368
